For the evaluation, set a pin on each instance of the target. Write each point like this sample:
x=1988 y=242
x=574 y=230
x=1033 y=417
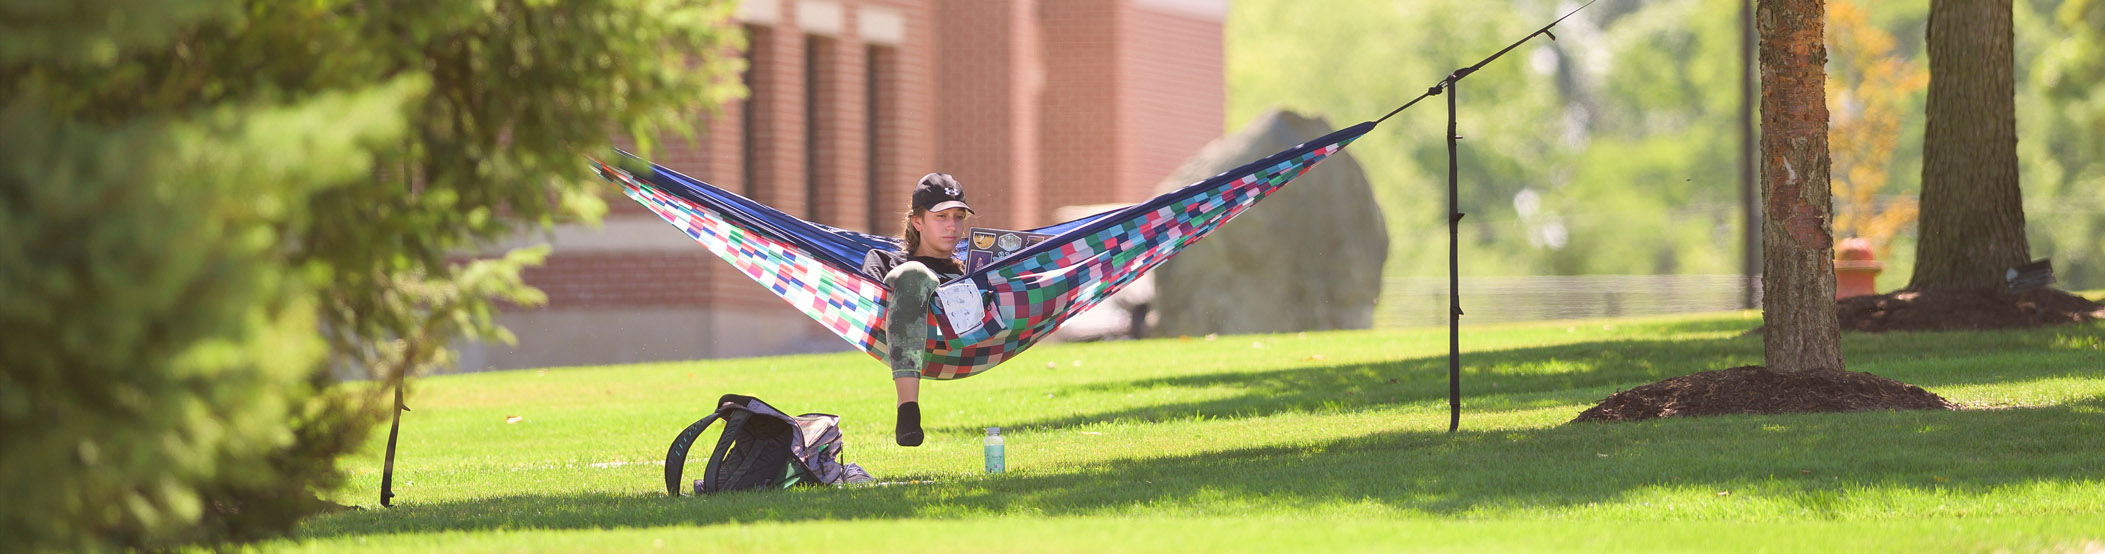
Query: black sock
x=908 y=431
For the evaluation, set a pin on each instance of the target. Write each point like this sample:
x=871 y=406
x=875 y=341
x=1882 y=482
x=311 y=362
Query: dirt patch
x=1964 y=311
x=1756 y=390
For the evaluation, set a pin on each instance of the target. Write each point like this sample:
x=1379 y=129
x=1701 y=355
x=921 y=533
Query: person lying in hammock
x=930 y=234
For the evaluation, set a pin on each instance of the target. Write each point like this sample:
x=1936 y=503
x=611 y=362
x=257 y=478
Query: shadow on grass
x=1806 y=466
x=1581 y=374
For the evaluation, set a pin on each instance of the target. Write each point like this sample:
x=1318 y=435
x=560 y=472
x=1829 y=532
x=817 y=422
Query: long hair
x=907 y=234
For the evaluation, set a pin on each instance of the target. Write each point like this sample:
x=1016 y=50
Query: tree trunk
x=1973 y=218
x=1798 y=271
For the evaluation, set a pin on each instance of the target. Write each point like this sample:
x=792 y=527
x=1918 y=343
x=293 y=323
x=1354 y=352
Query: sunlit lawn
x=1315 y=442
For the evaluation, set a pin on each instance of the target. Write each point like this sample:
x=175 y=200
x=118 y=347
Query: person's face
x=941 y=230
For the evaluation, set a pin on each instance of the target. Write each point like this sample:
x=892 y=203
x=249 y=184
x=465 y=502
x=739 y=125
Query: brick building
x=1031 y=104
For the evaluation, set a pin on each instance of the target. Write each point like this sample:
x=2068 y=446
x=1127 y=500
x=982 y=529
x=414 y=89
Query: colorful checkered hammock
x=1018 y=299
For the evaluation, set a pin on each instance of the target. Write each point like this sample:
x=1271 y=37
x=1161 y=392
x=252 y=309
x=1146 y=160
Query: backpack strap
x=712 y=477
x=676 y=457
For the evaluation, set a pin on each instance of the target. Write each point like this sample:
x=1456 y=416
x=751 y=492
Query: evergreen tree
x=190 y=189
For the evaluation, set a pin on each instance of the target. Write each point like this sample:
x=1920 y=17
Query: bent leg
x=906 y=322
x=906 y=337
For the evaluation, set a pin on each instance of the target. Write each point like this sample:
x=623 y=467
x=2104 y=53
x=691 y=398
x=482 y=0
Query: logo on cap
x=939 y=191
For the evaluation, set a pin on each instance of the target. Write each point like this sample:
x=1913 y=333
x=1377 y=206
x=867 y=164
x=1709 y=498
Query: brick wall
x=986 y=84
x=1172 y=89
x=1081 y=146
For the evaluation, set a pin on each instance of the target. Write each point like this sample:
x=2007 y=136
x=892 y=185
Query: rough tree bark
x=1973 y=218
x=1798 y=272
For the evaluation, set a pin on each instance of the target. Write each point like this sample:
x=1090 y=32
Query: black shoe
x=908 y=431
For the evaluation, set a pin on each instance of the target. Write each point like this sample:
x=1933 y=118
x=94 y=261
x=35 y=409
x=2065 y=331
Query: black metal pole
x=387 y=475
x=1454 y=274
x=1454 y=217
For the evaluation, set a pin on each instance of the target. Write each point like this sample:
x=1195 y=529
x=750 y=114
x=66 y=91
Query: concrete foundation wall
x=556 y=338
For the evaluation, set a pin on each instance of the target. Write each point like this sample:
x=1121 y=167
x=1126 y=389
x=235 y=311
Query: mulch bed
x=1961 y=311
x=1756 y=390
x=1964 y=311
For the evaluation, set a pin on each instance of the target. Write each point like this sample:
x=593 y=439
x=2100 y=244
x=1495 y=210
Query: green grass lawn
x=1317 y=442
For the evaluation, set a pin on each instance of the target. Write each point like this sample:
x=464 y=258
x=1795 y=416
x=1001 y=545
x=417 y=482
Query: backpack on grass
x=763 y=448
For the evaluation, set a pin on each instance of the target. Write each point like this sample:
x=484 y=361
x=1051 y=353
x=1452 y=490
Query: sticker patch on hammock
x=962 y=306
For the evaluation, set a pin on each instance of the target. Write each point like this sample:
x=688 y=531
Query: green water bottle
x=995 y=463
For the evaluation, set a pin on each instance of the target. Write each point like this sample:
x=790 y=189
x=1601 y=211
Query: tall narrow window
x=752 y=110
x=817 y=60
x=877 y=120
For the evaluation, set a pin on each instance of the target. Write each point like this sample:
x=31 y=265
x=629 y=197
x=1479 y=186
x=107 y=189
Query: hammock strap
x=1464 y=72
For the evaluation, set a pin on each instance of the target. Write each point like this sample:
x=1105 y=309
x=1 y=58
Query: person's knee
x=914 y=275
x=911 y=285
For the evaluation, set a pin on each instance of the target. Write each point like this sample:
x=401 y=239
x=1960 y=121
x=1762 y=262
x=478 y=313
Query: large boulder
x=1307 y=258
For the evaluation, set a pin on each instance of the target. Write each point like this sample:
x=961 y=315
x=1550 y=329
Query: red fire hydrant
x=1856 y=268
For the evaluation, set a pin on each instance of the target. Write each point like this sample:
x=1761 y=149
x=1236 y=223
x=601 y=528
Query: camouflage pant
x=906 y=322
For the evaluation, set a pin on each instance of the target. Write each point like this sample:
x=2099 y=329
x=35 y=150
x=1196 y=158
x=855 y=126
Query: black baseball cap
x=938 y=192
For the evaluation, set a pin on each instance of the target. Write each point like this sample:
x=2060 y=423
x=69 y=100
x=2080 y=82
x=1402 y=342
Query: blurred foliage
x=1868 y=86
x=191 y=190
x=2061 y=134
x=1579 y=155
x=519 y=88
x=1616 y=149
